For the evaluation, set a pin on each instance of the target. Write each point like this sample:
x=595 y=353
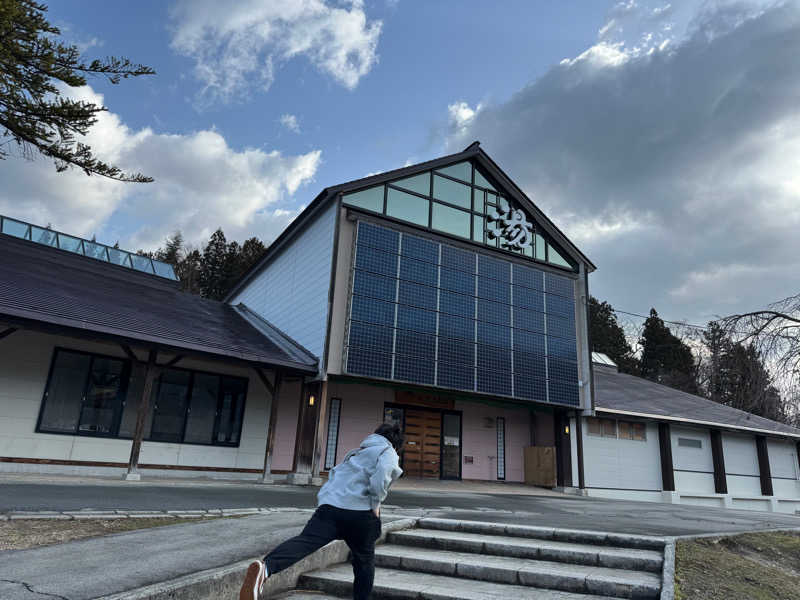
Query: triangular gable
x=464 y=198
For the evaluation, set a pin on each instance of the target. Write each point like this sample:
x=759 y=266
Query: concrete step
x=632 y=559
x=600 y=538
x=581 y=579
x=391 y=584
x=306 y=595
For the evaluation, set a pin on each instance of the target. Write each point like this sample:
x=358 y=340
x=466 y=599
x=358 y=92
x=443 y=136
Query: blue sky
x=663 y=137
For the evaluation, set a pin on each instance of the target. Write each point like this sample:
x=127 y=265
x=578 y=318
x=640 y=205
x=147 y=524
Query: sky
x=662 y=137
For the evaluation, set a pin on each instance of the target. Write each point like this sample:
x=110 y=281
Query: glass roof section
x=460 y=201
x=90 y=249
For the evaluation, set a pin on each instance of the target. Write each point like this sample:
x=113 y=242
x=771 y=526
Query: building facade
x=437 y=296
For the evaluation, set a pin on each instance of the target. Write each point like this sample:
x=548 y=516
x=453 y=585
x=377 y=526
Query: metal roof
x=635 y=396
x=44 y=285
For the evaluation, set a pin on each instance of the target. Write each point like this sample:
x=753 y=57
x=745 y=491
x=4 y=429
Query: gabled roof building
x=437 y=296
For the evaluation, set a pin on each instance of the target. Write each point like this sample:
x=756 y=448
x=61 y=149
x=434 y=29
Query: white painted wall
x=784 y=469
x=292 y=291
x=622 y=464
x=25 y=359
x=694 y=467
x=741 y=464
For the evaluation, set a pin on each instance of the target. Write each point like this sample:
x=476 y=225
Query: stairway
x=445 y=559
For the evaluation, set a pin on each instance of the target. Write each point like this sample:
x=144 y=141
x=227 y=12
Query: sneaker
x=253 y=581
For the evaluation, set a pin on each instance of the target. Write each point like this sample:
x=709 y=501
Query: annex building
x=437 y=296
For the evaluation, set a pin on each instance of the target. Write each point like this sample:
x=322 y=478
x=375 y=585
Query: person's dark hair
x=394 y=434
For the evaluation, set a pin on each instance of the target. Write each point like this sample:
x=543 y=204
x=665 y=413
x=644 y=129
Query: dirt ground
x=753 y=566
x=22 y=534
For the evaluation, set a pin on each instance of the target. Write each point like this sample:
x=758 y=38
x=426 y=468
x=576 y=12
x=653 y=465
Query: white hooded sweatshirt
x=362 y=480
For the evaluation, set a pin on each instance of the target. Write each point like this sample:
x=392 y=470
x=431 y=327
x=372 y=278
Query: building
x=437 y=296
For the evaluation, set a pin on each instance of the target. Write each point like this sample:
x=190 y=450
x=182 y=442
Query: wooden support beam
x=173 y=362
x=274 y=391
x=321 y=427
x=665 y=448
x=263 y=377
x=764 y=471
x=579 y=434
x=129 y=353
x=7 y=332
x=718 y=457
x=151 y=373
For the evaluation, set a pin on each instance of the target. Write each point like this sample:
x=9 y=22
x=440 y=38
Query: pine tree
x=33 y=113
x=608 y=337
x=665 y=357
x=215 y=267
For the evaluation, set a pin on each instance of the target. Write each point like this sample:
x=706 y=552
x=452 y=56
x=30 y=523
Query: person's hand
x=377 y=511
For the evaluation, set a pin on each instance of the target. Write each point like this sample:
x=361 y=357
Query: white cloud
x=201 y=183
x=290 y=122
x=673 y=166
x=461 y=115
x=237 y=46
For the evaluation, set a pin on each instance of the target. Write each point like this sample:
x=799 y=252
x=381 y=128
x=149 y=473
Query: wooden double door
x=423 y=450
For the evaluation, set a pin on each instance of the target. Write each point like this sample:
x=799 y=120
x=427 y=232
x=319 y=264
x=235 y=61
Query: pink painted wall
x=362 y=412
x=286 y=427
x=480 y=440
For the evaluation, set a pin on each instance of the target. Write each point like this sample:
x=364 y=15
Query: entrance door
x=423 y=444
x=451 y=446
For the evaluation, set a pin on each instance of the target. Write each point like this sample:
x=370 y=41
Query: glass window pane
x=69 y=243
x=335 y=410
x=625 y=430
x=64 y=395
x=478 y=200
x=482 y=181
x=15 y=228
x=202 y=409
x=93 y=250
x=141 y=263
x=231 y=410
x=132 y=399
x=169 y=411
x=609 y=427
x=452 y=191
x=491 y=198
x=164 y=270
x=407 y=207
x=639 y=431
x=418 y=183
x=43 y=236
x=554 y=257
x=102 y=404
x=119 y=257
x=450 y=220
x=593 y=426
x=462 y=171
x=477 y=228
x=369 y=199
x=540 y=247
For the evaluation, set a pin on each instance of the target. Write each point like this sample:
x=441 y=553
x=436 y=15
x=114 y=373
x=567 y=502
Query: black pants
x=358 y=528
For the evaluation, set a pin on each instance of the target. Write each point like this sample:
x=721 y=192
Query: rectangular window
x=202 y=413
x=452 y=192
x=593 y=426
x=501 y=448
x=407 y=207
x=83 y=394
x=333 y=432
x=170 y=407
x=450 y=220
x=690 y=442
x=632 y=431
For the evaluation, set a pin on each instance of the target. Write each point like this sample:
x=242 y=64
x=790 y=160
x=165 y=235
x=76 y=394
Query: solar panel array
x=434 y=314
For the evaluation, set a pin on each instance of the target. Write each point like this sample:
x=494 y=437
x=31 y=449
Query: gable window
x=84 y=394
x=459 y=200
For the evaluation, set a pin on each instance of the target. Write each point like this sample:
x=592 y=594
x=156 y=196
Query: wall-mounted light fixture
x=566 y=429
x=311 y=400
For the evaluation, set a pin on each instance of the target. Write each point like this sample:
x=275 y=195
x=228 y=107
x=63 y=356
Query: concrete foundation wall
x=25 y=359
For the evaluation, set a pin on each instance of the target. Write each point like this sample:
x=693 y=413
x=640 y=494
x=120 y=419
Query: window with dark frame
x=335 y=409
x=501 y=448
x=85 y=395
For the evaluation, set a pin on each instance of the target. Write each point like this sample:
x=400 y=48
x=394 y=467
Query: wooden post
x=718 y=457
x=579 y=433
x=151 y=373
x=320 y=437
x=665 y=447
x=274 y=390
x=763 y=466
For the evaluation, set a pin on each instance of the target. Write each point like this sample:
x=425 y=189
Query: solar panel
x=433 y=314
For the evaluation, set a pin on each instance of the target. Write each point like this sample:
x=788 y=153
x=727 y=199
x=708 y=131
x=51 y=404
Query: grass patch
x=32 y=533
x=756 y=566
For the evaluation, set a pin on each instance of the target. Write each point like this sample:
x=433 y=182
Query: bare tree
x=774 y=332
